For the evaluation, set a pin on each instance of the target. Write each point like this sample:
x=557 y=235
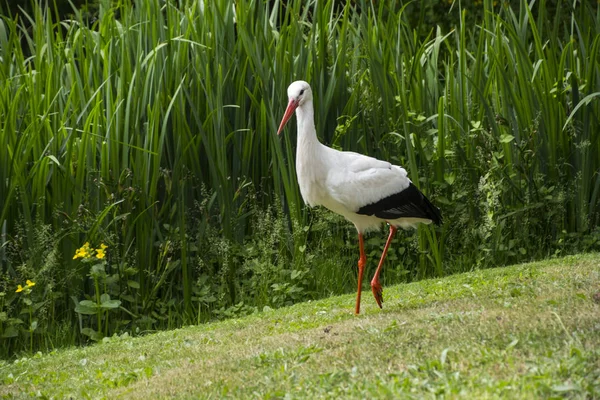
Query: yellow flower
x=30 y=283
x=19 y=289
x=79 y=253
x=100 y=254
x=83 y=252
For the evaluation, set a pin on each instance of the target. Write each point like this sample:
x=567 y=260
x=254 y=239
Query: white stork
x=365 y=190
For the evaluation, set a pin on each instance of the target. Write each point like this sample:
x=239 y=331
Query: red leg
x=375 y=284
x=362 y=261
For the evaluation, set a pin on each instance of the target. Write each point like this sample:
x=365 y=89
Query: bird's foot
x=377 y=292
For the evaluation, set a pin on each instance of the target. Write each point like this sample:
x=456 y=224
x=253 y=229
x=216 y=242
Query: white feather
x=342 y=181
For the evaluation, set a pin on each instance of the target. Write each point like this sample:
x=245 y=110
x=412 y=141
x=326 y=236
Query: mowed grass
x=526 y=331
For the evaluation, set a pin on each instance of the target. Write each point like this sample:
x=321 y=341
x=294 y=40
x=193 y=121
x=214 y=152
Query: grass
x=524 y=331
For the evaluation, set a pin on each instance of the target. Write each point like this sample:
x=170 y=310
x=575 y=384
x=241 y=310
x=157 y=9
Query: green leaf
x=92 y=334
x=584 y=102
x=54 y=160
x=295 y=274
x=110 y=304
x=209 y=299
x=128 y=298
x=86 y=307
x=10 y=331
x=97 y=271
x=506 y=138
x=133 y=284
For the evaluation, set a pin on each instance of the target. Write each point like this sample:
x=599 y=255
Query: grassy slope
x=523 y=331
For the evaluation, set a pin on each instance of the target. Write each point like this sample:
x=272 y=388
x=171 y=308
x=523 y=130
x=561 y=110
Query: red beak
x=292 y=105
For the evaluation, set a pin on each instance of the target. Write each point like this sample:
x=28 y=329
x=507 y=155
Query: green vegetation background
x=149 y=127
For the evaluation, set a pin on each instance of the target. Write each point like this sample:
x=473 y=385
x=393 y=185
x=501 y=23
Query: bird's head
x=298 y=93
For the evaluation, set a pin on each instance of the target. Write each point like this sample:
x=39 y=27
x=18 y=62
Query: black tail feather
x=408 y=203
x=433 y=212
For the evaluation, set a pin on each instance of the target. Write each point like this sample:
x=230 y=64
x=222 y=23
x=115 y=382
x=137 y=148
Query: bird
x=366 y=191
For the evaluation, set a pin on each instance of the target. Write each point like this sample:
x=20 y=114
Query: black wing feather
x=408 y=203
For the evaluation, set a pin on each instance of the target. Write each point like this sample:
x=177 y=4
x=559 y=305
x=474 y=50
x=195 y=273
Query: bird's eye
x=301 y=92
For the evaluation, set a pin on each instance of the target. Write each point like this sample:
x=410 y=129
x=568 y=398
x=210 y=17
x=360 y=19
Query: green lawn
x=525 y=331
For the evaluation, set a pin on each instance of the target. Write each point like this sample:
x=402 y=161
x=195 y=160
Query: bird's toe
x=377 y=293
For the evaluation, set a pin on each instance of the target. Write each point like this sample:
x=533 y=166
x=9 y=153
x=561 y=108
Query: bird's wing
x=355 y=180
x=408 y=203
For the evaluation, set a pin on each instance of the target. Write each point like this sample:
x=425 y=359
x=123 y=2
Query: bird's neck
x=307 y=134
x=310 y=160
